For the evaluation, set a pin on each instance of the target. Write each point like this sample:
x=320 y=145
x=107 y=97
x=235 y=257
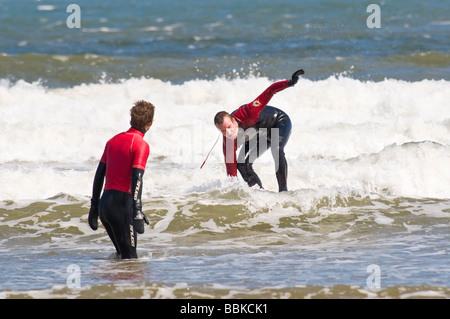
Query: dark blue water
x=183 y=40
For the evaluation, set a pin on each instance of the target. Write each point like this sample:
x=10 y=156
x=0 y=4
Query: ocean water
x=367 y=214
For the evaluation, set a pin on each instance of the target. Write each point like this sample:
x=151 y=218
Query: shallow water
x=196 y=250
x=368 y=211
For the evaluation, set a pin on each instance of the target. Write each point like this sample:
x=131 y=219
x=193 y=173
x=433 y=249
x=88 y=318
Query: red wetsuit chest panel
x=123 y=152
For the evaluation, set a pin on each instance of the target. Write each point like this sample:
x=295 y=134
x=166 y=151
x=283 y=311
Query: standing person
x=122 y=167
x=257 y=126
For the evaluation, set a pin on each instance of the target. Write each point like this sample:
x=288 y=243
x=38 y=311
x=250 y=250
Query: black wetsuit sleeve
x=136 y=188
x=98 y=183
x=96 y=191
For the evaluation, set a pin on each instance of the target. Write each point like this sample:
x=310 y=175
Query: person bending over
x=257 y=126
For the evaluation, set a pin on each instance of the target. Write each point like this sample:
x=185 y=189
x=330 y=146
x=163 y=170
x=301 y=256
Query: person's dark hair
x=220 y=116
x=141 y=114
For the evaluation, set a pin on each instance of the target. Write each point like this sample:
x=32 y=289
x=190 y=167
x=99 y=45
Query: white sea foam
x=390 y=136
x=46 y=8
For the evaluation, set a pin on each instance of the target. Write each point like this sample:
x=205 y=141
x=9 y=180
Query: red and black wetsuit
x=260 y=127
x=122 y=166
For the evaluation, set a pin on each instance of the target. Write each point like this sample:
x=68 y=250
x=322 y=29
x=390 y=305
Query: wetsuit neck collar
x=142 y=131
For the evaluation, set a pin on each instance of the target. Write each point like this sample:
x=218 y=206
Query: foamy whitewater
x=388 y=137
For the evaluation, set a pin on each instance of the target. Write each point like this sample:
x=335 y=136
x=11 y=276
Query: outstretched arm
x=263 y=99
x=249 y=114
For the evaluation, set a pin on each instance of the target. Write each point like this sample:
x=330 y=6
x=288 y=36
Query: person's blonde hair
x=141 y=114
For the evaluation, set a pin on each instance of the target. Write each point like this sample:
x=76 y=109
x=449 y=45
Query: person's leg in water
x=110 y=233
x=116 y=215
x=279 y=136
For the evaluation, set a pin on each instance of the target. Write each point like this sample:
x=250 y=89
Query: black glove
x=93 y=217
x=138 y=222
x=295 y=76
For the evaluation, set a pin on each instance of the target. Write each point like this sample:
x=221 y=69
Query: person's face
x=229 y=127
